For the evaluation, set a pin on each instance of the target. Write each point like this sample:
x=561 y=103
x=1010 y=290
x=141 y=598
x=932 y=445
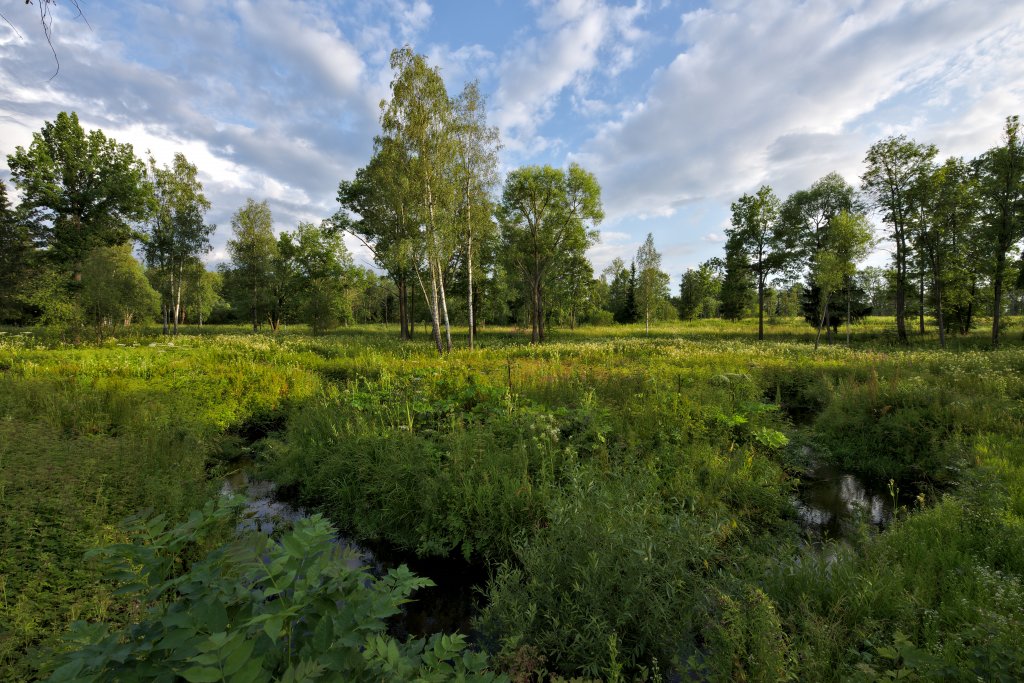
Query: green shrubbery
x=631 y=497
x=297 y=608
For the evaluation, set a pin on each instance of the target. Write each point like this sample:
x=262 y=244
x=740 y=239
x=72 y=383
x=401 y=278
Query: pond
x=447 y=607
x=832 y=504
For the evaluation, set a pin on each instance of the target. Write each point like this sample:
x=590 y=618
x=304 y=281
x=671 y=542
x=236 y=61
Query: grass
x=629 y=492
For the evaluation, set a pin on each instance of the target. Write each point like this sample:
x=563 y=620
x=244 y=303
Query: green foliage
x=16 y=260
x=250 y=281
x=177 y=235
x=547 y=217
x=257 y=609
x=700 y=291
x=768 y=243
x=115 y=289
x=79 y=191
x=896 y=170
x=318 y=267
x=651 y=283
x=631 y=495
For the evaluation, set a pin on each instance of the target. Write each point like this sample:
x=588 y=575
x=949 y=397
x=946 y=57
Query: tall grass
x=630 y=493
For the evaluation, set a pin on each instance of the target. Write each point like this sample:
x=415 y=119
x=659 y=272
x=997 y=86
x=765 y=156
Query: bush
x=257 y=609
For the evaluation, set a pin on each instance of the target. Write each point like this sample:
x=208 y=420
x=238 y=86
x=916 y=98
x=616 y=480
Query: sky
x=677 y=107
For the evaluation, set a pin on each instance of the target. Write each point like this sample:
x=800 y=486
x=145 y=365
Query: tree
x=1001 y=190
x=700 y=289
x=651 y=282
x=476 y=149
x=896 y=167
x=319 y=265
x=16 y=255
x=202 y=292
x=848 y=240
x=418 y=121
x=252 y=251
x=177 y=235
x=79 y=191
x=808 y=214
x=115 y=289
x=769 y=243
x=616 y=275
x=382 y=199
x=949 y=216
x=739 y=289
x=570 y=293
x=546 y=217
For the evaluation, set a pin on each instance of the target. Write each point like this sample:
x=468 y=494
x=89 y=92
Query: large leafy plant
x=298 y=608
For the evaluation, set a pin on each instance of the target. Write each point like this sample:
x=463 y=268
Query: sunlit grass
x=501 y=454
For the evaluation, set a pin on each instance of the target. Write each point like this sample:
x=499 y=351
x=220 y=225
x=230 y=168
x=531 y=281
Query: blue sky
x=677 y=107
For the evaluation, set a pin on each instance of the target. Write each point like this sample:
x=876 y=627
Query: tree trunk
x=534 y=311
x=444 y=309
x=997 y=296
x=540 y=310
x=431 y=301
x=921 y=305
x=647 y=321
x=901 y=291
x=938 y=312
x=255 y=319
x=469 y=271
x=824 y=312
x=403 y=329
x=760 y=308
x=847 y=313
x=177 y=306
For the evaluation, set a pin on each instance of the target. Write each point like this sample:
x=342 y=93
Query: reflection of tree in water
x=832 y=504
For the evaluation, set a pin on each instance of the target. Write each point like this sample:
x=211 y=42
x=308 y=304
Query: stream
x=447 y=607
x=832 y=504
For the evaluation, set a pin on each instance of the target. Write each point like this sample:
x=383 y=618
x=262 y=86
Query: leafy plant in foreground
x=258 y=609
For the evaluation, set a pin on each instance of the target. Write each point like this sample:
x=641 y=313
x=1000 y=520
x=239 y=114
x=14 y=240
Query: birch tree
x=476 y=149
x=418 y=119
x=177 y=234
x=651 y=282
x=253 y=250
x=546 y=216
x=896 y=167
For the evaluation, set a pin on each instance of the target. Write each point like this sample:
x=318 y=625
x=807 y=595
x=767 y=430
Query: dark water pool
x=447 y=607
x=832 y=504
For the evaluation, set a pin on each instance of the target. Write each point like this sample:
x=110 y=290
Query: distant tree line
x=101 y=239
x=954 y=228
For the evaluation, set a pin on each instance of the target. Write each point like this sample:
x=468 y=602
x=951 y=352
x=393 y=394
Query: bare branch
x=46 y=21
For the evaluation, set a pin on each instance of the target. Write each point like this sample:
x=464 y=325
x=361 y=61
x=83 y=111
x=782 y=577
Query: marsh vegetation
x=626 y=498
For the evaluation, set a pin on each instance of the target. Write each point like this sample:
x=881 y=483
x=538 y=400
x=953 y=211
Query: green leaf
x=238 y=656
x=201 y=674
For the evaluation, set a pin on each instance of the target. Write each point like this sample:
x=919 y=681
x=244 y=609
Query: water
x=832 y=504
x=445 y=608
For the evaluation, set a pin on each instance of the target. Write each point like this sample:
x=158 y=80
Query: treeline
x=89 y=207
x=455 y=247
x=954 y=228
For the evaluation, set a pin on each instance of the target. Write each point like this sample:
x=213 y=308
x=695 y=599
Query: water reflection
x=832 y=504
x=447 y=607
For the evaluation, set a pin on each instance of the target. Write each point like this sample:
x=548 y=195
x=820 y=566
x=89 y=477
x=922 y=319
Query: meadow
x=630 y=497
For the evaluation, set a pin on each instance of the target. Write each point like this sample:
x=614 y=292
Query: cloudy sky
x=678 y=107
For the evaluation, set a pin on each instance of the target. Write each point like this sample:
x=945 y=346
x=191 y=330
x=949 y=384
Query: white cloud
x=783 y=92
x=533 y=75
